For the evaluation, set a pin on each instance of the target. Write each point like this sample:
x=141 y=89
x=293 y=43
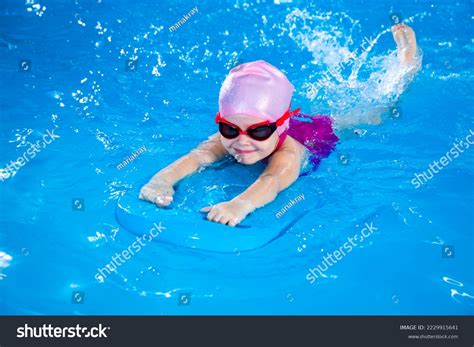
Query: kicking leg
x=405 y=39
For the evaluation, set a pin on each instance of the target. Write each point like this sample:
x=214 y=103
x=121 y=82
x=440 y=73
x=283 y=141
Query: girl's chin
x=247 y=159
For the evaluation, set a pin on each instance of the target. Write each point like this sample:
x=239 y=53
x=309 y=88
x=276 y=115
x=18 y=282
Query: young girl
x=255 y=124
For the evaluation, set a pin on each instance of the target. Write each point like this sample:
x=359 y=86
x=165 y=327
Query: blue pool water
x=108 y=77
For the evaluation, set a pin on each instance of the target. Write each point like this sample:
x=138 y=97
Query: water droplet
x=452 y=281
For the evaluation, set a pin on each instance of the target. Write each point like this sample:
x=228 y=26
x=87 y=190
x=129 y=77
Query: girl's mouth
x=240 y=151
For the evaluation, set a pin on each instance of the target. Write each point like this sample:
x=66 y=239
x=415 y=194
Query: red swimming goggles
x=260 y=131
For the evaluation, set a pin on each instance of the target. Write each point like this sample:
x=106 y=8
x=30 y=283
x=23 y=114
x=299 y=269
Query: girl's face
x=245 y=149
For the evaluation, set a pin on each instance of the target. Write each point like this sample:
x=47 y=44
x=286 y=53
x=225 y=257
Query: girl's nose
x=243 y=138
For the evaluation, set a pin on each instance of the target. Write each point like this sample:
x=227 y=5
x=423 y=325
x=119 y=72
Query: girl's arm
x=282 y=170
x=159 y=189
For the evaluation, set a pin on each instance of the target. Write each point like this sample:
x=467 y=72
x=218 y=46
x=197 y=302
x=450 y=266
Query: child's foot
x=405 y=39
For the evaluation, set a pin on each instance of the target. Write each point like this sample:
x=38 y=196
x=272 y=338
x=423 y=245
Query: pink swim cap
x=257 y=89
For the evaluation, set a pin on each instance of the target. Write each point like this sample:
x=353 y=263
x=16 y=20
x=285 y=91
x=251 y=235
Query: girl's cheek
x=227 y=144
x=268 y=147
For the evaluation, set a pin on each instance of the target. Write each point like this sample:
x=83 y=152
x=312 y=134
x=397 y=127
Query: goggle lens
x=228 y=131
x=260 y=133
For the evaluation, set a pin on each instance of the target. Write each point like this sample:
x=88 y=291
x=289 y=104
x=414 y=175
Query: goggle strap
x=292 y=113
x=287 y=115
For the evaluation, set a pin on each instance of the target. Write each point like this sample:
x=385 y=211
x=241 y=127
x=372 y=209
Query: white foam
x=5 y=259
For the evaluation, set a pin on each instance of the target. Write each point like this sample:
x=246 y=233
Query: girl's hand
x=229 y=212
x=160 y=193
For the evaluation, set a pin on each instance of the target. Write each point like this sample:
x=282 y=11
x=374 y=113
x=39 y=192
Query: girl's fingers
x=212 y=214
x=163 y=200
x=224 y=220
x=229 y=220
x=217 y=217
x=205 y=209
x=233 y=222
x=143 y=194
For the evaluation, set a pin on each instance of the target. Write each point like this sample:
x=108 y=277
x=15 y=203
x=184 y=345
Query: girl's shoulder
x=303 y=152
x=289 y=145
x=294 y=145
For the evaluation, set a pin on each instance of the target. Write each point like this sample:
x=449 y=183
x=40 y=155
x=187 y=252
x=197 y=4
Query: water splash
x=347 y=74
x=458 y=295
x=4 y=263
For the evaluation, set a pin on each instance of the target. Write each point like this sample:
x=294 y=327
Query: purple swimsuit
x=315 y=133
